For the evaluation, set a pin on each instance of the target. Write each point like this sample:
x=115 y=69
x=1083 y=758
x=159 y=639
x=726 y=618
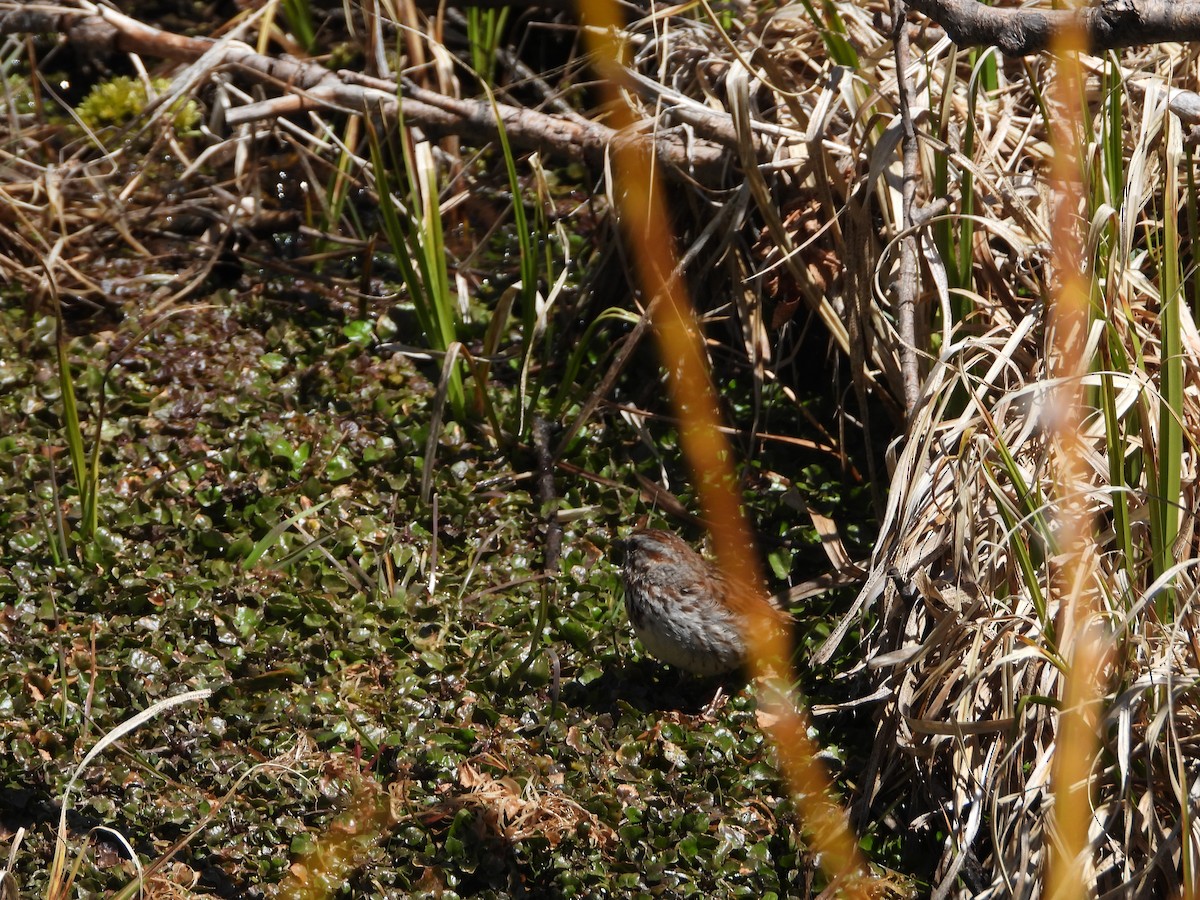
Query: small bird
x=682 y=607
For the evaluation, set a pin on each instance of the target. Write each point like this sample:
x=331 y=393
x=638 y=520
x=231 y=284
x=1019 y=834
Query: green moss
x=121 y=100
x=17 y=95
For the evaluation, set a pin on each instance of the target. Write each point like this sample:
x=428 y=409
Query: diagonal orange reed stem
x=647 y=227
x=1073 y=575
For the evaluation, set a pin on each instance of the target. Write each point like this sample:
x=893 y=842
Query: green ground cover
x=403 y=703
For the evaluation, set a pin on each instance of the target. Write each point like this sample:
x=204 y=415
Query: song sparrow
x=681 y=606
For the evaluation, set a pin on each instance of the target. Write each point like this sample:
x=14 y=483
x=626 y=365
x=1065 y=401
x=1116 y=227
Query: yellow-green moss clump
x=120 y=100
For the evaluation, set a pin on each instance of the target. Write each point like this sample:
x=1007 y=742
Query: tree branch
x=1108 y=25
x=99 y=30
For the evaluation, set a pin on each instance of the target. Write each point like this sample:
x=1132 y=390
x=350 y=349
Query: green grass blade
x=1166 y=499
x=74 y=433
x=580 y=353
x=265 y=542
x=298 y=14
x=1019 y=547
x=833 y=33
x=416 y=242
x=1116 y=442
x=396 y=233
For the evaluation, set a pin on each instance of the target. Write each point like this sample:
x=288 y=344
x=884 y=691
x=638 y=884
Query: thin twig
x=547 y=496
x=908 y=282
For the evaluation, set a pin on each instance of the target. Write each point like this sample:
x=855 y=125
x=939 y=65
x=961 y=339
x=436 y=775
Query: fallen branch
x=100 y=30
x=1108 y=25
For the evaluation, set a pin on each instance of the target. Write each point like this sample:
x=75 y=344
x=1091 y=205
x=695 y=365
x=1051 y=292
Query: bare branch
x=907 y=283
x=1108 y=25
x=101 y=30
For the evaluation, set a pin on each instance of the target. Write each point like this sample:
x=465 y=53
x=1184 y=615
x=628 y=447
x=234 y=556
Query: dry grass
x=975 y=641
